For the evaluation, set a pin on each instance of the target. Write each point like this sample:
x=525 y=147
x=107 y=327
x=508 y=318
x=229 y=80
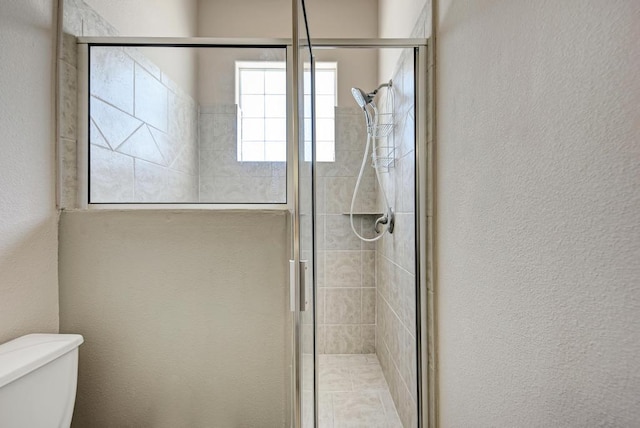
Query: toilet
x=38 y=375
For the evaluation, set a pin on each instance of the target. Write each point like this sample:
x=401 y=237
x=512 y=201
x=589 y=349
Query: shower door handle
x=304 y=302
x=292 y=285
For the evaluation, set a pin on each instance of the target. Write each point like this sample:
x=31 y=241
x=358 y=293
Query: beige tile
x=368 y=338
x=320 y=339
x=334 y=379
x=69 y=53
x=69 y=100
x=343 y=305
x=358 y=409
x=382 y=353
x=395 y=298
x=367 y=377
x=409 y=302
x=346 y=360
x=141 y=145
x=367 y=230
x=68 y=198
x=320 y=260
x=343 y=268
x=338 y=194
x=325 y=410
x=96 y=137
x=338 y=234
x=151 y=99
x=114 y=124
x=368 y=306
x=321 y=195
x=343 y=339
x=111 y=176
x=391 y=414
x=407 y=409
x=321 y=232
x=320 y=305
x=368 y=268
x=112 y=77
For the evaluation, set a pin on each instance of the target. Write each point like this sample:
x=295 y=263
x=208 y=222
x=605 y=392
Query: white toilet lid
x=27 y=353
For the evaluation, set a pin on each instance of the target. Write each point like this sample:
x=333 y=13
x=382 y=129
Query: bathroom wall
x=538 y=230
x=28 y=218
x=396 y=261
x=183 y=315
x=346 y=265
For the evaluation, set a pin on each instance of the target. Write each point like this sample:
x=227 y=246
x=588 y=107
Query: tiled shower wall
x=143 y=127
x=395 y=258
x=346 y=265
x=222 y=177
x=143 y=133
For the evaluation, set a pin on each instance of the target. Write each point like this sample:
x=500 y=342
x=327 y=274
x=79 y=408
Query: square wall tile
x=343 y=339
x=368 y=306
x=343 y=268
x=343 y=305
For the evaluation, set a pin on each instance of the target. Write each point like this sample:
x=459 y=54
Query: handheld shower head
x=361 y=97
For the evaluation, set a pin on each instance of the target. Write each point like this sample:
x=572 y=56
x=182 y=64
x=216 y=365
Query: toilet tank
x=38 y=376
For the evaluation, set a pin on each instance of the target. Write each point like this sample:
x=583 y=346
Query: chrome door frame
x=425 y=328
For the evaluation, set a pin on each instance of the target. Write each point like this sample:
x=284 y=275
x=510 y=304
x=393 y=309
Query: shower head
x=361 y=97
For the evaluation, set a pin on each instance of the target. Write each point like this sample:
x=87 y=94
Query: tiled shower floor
x=354 y=393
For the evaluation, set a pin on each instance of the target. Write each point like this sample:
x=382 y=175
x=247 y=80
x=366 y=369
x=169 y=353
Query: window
x=326 y=102
x=262 y=124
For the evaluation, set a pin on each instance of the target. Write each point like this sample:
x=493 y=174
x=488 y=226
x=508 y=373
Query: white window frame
x=281 y=65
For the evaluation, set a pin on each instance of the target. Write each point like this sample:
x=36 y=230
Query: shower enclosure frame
x=425 y=329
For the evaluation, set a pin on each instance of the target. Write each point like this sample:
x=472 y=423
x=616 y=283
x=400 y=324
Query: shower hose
x=387 y=218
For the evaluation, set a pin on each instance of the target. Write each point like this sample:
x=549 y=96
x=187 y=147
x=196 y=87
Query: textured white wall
x=28 y=218
x=183 y=315
x=538 y=214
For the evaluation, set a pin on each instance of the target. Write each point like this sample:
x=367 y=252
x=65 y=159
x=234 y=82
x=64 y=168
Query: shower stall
x=362 y=248
x=283 y=124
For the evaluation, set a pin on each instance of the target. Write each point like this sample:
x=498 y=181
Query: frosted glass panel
x=153 y=139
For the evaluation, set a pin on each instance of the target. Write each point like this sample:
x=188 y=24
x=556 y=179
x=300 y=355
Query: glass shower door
x=304 y=221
